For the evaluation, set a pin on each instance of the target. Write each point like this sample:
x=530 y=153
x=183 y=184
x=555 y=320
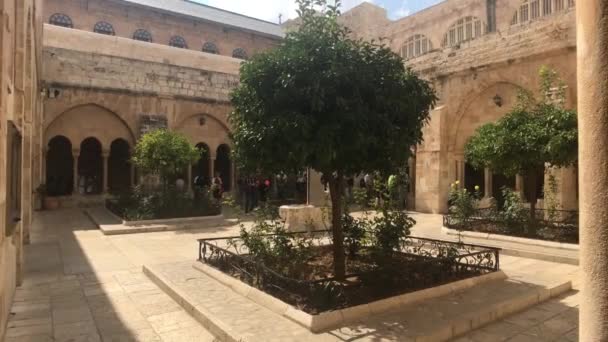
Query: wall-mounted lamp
x=497 y=100
x=201 y=121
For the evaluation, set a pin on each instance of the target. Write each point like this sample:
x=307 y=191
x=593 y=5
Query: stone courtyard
x=81 y=285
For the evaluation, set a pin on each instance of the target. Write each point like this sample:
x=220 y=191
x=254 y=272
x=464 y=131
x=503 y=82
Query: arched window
x=239 y=53
x=142 y=35
x=467 y=28
x=210 y=47
x=60 y=19
x=533 y=9
x=414 y=46
x=178 y=42
x=104 y=28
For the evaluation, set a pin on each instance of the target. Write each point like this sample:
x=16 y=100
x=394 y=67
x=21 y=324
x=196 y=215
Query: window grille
x=104 y=28
x=60 y=19
x=142 y=35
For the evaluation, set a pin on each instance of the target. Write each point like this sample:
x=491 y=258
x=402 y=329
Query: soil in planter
x=567 y=233
x=310 y=286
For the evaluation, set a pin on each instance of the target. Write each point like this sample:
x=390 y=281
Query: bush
x=355 y=231
x=463 y=203
x=168 y=202
x=269 y=242
x=513 y=214
x=389 y=230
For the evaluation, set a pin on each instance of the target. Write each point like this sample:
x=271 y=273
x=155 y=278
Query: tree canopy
x=165 y=153
x=325 y=101
x=534 y=133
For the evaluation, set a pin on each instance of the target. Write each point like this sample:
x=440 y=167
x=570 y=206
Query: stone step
x=232 y=317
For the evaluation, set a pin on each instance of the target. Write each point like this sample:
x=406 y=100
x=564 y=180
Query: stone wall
x=127 y=17
x=19 y=109
x=468 y=76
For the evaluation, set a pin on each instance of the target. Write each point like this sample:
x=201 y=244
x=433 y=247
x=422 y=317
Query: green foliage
x=463 y=203
x=513 y=213
x=270 y=243
x=551 y=201
x=165 y=153
x=530 y=135
x=355 y=231
x=389 y=230
x=167 y=202
x=325 y=101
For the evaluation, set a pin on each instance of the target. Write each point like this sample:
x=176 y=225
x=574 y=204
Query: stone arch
x=59 y=166
x=508 y=94
x=487 y=105
x=90 y=167
x=82 y=121
x=119 y=166
x=204 y=127
x=201 y=170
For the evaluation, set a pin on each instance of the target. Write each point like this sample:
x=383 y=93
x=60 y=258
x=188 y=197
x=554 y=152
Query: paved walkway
x=81 y=285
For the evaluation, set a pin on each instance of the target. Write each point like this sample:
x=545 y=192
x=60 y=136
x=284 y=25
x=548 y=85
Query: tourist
x=217 y=187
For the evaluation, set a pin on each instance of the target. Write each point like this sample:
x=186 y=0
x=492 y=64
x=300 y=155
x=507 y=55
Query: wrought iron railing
x=449 y=260
x=550 y=225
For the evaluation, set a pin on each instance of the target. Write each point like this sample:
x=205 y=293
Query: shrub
x=513 y=214
x=389 y=230
x=167 y=202
x=463 y=203
x=355 y=231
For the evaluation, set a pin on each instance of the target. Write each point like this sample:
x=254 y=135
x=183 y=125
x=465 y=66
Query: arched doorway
x=119 y=166
x=223 y=166
x=59 y=167
x=90 y=167
x=201 y=170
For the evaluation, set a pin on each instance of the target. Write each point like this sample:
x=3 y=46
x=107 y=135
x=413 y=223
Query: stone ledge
x=501 y=237
x=110 y=224
x=205 y=318
x=334 y=319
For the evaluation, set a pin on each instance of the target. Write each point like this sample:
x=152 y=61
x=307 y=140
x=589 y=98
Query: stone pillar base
x=305 y=218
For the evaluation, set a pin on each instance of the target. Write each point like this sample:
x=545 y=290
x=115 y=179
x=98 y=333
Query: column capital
x=75 y=152
x=105 y=154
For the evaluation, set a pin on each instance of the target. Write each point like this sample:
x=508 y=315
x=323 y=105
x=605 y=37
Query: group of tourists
x=253 y=191
x=216 y=186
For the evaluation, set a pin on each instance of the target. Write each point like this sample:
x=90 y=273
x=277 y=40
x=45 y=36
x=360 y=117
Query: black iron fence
x=550 y=225
x=447 y=261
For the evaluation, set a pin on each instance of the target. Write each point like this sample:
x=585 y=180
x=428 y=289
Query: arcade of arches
x=89 y=150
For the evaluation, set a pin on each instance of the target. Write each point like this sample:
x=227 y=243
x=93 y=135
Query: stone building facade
x=477 y=54
x=20 y=137
x=113 y=68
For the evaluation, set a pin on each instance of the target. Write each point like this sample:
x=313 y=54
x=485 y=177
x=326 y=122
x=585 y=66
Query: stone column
x=592 y=83
x=211 y=168
x=75 y=155
x=461 y=173
x=487 y=183
x=105 y=155
x=519 y=185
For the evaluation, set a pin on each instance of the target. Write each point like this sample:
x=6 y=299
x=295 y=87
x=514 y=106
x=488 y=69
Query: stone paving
x=83 y=286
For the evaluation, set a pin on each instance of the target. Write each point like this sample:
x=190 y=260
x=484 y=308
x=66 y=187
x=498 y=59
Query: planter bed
x=181 y=217
x=311 y=288
x=560 y=230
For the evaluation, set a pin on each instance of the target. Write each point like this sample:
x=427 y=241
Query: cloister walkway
x=81 y=285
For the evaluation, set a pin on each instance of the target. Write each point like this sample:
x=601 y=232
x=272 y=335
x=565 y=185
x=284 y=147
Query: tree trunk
x=335 y=191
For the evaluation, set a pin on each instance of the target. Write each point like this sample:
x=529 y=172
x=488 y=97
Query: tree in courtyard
x=325 y=101
x=164 y=153
x=534 y=133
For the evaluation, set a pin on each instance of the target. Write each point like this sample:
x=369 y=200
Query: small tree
x=324 y=101
x=533 y=134
x=164 y=153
